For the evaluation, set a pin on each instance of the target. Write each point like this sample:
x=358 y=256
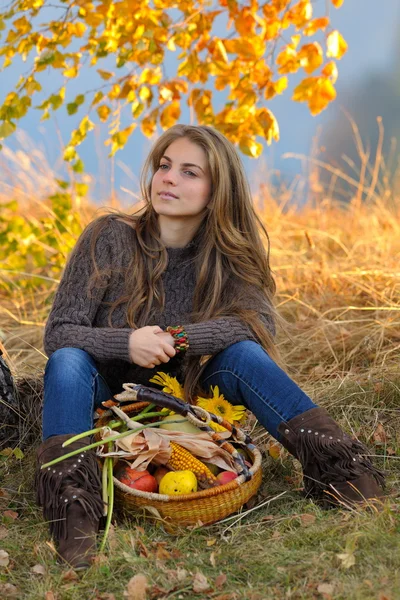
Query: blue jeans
x=244 y=373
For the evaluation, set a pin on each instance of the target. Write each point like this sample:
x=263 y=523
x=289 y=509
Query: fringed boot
x=336 y=468
x=70 y=494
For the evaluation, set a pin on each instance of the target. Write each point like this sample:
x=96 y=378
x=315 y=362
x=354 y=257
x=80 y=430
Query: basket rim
x=214 y=491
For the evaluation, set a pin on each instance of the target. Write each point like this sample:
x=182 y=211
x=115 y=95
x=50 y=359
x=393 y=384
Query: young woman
x=187 y=277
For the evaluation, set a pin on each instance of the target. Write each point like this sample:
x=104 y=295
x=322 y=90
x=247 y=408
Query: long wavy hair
x=232 y=262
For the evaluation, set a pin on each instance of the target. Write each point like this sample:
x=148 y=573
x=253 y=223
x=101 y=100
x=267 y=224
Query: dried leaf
x=70 y=575
x=211 y=541
x=274 y=451
x=347 y=559
x=162 y=553
x=212 y=559
x=379 y=435
x=220 y=580
x=38 y=570
x=7 y=590
x=49 y=596
x=136 y=588
x=4 y=558
x=3 y=532
x=307 y=519
x=200 y=583
x=10 y=514
x=326 y=588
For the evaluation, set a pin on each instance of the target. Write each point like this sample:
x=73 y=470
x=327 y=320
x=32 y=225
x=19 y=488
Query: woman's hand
x=150 y=346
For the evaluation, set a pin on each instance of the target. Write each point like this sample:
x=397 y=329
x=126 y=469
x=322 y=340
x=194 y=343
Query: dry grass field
x=338 y=277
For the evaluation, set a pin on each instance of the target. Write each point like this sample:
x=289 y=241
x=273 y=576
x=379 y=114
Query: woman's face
x=181 y=186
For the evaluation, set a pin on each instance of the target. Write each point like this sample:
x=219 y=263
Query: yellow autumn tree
x=126 y=43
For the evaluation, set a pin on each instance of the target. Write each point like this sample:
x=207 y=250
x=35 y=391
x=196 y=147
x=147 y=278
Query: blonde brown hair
x=232 y=263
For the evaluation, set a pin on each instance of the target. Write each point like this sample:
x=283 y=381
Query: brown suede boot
x=70 y=493
x=336 y=468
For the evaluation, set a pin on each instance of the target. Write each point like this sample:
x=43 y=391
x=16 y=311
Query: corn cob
x=181 y=460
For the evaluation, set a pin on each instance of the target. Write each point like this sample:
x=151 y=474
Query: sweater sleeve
x=70 y=323
x=210 y=337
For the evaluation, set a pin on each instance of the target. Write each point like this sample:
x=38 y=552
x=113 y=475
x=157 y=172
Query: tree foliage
x=127 y=41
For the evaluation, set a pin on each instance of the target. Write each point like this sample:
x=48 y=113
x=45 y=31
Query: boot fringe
x=326 y=459
x=76 y=479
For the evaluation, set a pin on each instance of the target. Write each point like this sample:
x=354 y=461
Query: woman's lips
x=167 y=196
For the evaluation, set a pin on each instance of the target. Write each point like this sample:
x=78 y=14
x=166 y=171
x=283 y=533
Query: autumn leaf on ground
x=49 y=596
x=70 y=575
x=3 y=532
x=4 y=558
x=10 y=514
x=274 y=450
x=307 y=519
x=347 y=559
x=38 y=570
x=136 y=588
x=326 y=589
x=200 y=583
x=7 y=590
x=379 y=435
x=220 y=580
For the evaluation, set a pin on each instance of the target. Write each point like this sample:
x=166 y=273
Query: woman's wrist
x=180 y=336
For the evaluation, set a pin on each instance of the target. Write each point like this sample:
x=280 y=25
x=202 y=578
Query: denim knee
x=69 y=363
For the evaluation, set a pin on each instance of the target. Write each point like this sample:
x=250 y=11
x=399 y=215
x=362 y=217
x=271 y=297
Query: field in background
x=338 y=278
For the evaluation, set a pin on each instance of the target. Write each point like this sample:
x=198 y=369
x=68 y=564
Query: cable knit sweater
x=79 y=318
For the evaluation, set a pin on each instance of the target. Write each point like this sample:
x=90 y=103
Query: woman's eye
x=161 y=166
x=191 y=173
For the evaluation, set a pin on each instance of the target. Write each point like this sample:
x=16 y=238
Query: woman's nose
x=170 y=177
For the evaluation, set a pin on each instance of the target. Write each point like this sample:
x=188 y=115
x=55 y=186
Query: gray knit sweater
x=80 y=319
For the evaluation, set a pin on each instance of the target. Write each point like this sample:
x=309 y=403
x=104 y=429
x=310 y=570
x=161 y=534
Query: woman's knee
x=69 y=363
x=244 y=352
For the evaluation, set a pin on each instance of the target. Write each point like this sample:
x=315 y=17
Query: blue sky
x=371 y=34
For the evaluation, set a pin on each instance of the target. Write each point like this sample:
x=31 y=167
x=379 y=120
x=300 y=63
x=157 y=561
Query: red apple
x=138 y=480
x=226 y=477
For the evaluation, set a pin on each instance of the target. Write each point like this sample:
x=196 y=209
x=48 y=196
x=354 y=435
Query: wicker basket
x=203 y=507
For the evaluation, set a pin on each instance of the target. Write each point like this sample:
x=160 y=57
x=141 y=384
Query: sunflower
x=221 y=407
x=171 y=384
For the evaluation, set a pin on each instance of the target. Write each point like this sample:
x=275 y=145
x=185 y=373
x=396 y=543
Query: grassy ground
x=338 y=291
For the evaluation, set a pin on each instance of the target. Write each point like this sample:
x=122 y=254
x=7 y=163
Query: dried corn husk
x=153 y=445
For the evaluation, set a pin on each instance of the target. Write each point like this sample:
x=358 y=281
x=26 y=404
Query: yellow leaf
x=22 y=25
x=274 y=451
x=103 y=111
x=119 y=139
x=330 y=70
x=170 y=115
x=287 y=60
x=71 y=72
x=105 y=74
x=336 y=45
x=148 y=126
x=298 y=15
x=275 y=87
x=347 y=559
x=316 y=91
x=266 y=119
x=337 y=3
x=316 y=24
x=222 y=51
x=311 y=57
x=151 y=76
x=79 y=29
x=250 y=147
